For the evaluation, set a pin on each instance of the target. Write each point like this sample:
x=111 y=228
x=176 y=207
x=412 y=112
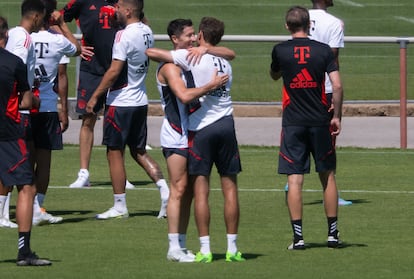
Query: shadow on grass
x=144 y=213
x=356 y=201
x=247 y=256
x=344 y=245
x=109 y=183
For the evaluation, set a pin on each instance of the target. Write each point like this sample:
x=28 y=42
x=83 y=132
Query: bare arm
x=107 y=81
x=159 y=55
x=171 y=75
x=275 y=75
x=195 y=53
x=26 y=99
x=337 y=99
x=63 y=95
x=57 y=17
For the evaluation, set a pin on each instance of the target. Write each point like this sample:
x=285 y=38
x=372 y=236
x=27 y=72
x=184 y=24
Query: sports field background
x=369 y=71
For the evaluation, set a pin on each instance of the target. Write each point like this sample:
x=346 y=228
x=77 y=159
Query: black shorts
x=15 y=167
x=87 y=84
x=47 y=133
x=167 y=152
x=297 y=143
x=125 y=126
x=26 y=126
x=216 y=144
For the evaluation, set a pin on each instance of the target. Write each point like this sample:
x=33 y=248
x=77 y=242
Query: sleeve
x=331 y=61
x=336 y=38
x=120 y=47
x=180 y=58
x=72 y=10
x=274 y=66
x=68 y=48
x=17 y=45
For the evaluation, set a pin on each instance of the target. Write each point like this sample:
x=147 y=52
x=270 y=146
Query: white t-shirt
x=328 y=29
x=20 y=44
x=215 y=104
x=174 y=129
x=129 y=46
x=50 y=49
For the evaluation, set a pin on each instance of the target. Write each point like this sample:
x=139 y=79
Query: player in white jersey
x=175 y=92
x=212 y=140
x=327 y=29
x=50 y=49
x=125 y=120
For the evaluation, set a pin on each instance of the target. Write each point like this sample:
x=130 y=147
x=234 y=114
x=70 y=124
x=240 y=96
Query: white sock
x=41 y=199
x=120 y=202
x=36 y=207
x=182 y=238
x=231 y=243
x=173 y=241
x=205 y=244
x=6 y=212
x=164 y=190
x=2 y=204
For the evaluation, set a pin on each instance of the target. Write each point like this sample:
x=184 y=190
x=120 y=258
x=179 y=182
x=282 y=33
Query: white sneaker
x=44 y=218
x=82 y=181
x=112 y=213
x=181 y=256
x=129 y=185
x=6 y=223
x=163 y=210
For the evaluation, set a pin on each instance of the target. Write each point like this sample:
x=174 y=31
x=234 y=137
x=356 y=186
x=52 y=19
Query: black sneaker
x=300 y=245
x=334 y=241
x=32 y=260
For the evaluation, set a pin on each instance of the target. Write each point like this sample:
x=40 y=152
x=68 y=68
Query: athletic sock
x=297 y=230
x=332 y=226
x=231 y=243
x=182 y=239
x=173 y=241
x=2 y=205
x=41 y=199
x=36 y=207
x=24 y=244
x=120 y=202
x=164 y=190
x=205 y=244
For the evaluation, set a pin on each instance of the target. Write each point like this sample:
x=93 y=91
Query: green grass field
x=376 y=230
x=369 y=71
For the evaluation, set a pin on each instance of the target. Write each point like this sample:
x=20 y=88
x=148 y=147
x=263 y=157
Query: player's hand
x=87 y=52
x=195 y=53
x=64 y=120
x=335 y=126
x=219 y=80
x=56 y=18
x=91 y=104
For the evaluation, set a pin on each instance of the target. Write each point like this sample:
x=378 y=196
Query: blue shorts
x=15 y=167
x=299 y=142
x=87 y=84
x=216 y=144
x=47 y=133
x=125 y=126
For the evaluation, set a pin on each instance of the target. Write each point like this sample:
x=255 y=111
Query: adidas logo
x=303 y=80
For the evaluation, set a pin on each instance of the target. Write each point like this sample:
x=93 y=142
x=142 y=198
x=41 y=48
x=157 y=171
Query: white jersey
x=216 y=104
x=50 y=50
x=20 y=44
x=174 y=129
x=328 y=29
x=129 y=46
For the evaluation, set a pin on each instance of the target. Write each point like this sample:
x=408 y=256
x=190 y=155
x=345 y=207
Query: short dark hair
x=139 y=5
x=176 y=26
x=212 y=29
x=4 y=27
x=297 y=19
x=29 y=6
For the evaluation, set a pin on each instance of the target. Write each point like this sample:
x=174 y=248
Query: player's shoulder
x=9 y=58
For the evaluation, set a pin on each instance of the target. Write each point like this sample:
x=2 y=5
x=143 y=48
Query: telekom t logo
x=302 y=53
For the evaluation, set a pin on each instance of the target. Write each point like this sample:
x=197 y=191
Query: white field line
x=351 y=3
x=406 y=19
x=246 y=190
